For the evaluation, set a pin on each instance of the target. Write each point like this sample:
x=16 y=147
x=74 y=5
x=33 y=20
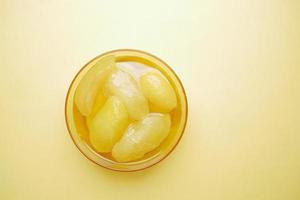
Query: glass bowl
x=77 y=126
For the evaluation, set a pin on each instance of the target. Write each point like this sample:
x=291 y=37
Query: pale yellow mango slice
x=91 y=83
x=108 y=125
x=142 y=137
x=122 y=85
x=158 y=91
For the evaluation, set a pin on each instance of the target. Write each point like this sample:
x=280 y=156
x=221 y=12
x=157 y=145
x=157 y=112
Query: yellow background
x=239 y=62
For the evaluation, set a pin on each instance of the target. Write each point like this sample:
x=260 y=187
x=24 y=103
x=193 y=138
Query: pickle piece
x=108 y=125
x=142 y=137
x=91 y=83
x=122 y=85
x=158 y=91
